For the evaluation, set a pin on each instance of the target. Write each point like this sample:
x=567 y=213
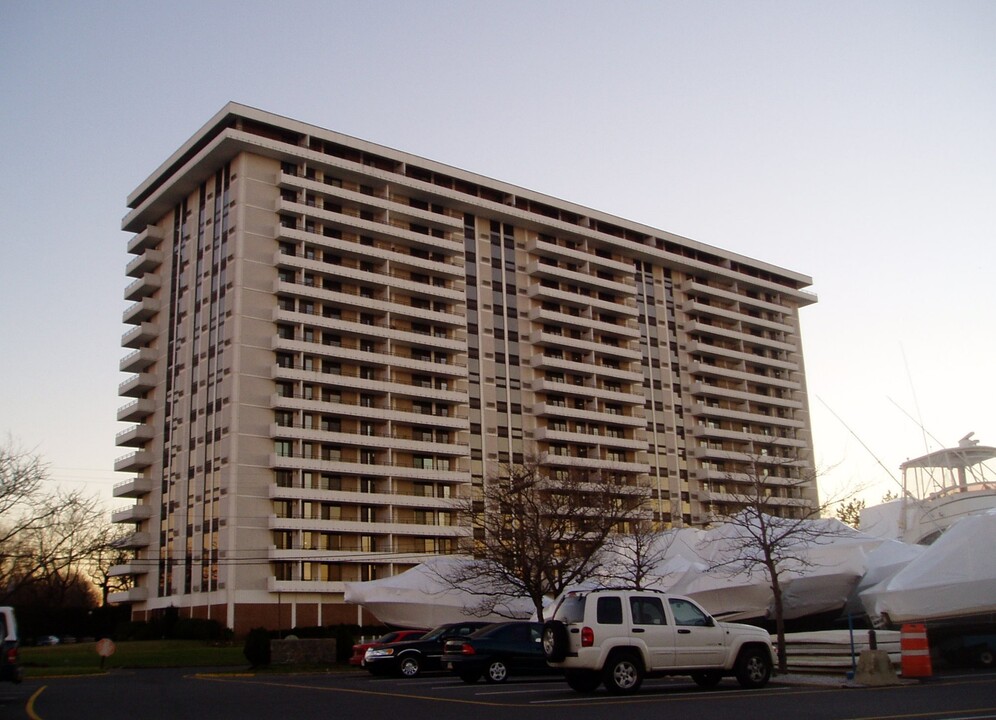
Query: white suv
x=621 y=636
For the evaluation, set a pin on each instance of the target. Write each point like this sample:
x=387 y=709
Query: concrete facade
x=333 y=342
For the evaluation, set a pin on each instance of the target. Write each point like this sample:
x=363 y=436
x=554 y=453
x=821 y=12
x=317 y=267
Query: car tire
x=469 y=677
x=496 y=672
x=753 y=668
x=583 y=681
x=707 y=678
x=623 y=674
x=554 y=640
x=409 y=666
x=985 y=657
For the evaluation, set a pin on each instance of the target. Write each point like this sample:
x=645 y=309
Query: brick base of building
x=272 y=616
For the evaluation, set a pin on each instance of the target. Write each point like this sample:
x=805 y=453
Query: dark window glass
x=609 y=611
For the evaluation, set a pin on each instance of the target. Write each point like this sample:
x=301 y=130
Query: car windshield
x=435 y=634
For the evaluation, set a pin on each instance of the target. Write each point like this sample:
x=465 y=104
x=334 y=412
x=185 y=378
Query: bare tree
x=21 y=477
x=537 y=533
x=48 y=539
x=54 y=545
x=773 y=511
x=631 y=559
x=105 y=555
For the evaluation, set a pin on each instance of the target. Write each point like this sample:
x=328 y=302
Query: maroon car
x=360 y=649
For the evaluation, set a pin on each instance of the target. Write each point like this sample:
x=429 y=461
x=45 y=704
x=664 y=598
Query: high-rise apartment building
x=333 y=341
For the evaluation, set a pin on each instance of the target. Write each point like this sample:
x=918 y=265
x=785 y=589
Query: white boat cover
x=822 y=566
x=420 y=598
x=839 y=569
x=953 y=578
x=829 y=561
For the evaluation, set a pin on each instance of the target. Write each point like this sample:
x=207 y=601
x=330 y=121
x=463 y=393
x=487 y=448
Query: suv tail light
x=12 y=656
x=587 y=636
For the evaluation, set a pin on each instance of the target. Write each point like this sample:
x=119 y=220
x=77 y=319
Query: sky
x=852 y=141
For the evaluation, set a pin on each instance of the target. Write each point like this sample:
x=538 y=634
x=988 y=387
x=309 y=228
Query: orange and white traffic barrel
x=916 y=651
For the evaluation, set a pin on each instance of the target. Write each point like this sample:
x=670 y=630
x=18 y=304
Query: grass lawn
x=82 y=658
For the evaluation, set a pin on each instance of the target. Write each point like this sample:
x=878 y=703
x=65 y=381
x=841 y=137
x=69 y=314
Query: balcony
x=540 y=337
x=133 y=462
x=146 y=262
x=131 y=513
x=711 y=350
x=146 y=285
x=698 y=309
x=145 y=240
x=702 y=410
x=744 y=436
x=552 y=250
x=625 y=306
x=137 y=410
x=545 y=434
x=545 y=409
x=138 y=360
x=595 y=464
x=132 y=568
x=304 y=586
x=137 y=385
x=135 y=594
x=133 y=488
x=699 y=388
x=139 y=336
x=135 y=541
x=342 y=467
x=135 y=436
x=143 y=310
x=700 y=328
x=391 y=525
x=623 y=288
x=701 y=368
x=567 y=320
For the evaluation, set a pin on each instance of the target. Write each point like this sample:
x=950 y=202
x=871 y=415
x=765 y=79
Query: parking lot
x=191 y=694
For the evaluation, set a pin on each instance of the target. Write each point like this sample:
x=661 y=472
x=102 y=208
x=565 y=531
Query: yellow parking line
x=30 y=707
x=354 y=691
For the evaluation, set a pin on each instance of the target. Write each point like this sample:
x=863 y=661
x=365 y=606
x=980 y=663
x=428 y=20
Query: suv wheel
x=753 y=668
x=583 y=681
x=497 y=672
x=555 y=640
x=623 y=674
x=409 y=666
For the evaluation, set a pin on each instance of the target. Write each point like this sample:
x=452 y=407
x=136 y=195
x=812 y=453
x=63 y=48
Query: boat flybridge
x=942 y=487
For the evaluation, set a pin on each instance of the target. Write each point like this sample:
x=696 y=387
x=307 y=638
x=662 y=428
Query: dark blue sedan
x=496 y=652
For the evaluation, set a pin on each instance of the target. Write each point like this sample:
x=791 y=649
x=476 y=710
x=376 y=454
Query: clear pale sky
x=851 y=141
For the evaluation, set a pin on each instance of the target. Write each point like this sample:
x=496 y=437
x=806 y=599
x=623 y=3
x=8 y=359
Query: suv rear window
x=571 y=609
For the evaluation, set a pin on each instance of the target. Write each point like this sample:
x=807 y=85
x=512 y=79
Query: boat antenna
x=920 y=424
x=916 y=402
x=855 y=436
